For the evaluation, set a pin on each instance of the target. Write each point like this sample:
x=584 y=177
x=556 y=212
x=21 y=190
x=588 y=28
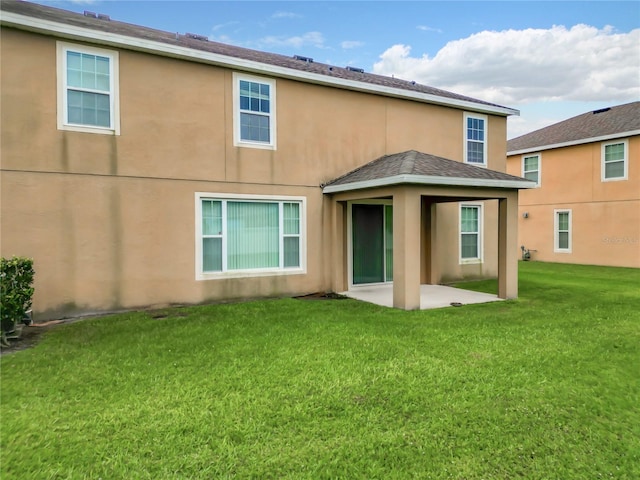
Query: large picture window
x=249 y=235
x=87 y=80
x=470 y=233
x=562 y=224
x=475 y=145
x=614 y=161
x=254 y=115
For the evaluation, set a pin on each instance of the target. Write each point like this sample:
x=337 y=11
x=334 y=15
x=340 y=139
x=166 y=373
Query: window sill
x=261 y=146
x=85 y=129
x=470 y=261
x=249 y=274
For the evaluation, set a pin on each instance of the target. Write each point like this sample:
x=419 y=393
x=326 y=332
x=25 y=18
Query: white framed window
x=471 y=233
x=254 y=111
x=88 y=89
x=475 y=139
x=531 y=168
x=249 y=235
x=562 y=231
x=614 y=160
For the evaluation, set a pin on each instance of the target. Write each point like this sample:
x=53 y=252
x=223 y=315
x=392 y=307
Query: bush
x=16 y=291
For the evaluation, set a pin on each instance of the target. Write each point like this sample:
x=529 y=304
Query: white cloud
x=514 y=67
x=315 y=39
x=285 y=15
x=347 y=44
x=221 y=26
x=424 y=28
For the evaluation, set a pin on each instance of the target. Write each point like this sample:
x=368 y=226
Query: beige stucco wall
x=605 y=215
x=110 y=220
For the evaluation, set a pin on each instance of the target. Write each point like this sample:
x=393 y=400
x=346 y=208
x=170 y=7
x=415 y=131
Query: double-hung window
x=470 y=233
x=531 y=168
x=254 y=111
x=614 y=161
x=562 y=234
x=475 y=135
x=87 y=89
x=246 y=236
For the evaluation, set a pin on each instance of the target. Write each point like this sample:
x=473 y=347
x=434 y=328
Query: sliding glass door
x=372 y=243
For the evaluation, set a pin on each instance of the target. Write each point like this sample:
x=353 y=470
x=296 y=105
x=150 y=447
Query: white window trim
x=237 y=140
x=529 y=155
x=556 y=239
x=263 y=272
x=480 y=258
x=625 y=142
x=114 y=96
x=486 y=138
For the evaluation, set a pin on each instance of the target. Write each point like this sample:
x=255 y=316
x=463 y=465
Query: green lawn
x=545 y=387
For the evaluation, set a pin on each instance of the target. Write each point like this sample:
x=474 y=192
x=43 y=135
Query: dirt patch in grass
x=321 y=296
x=30 y=336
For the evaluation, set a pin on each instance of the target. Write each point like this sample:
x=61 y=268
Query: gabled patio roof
x=412 y=167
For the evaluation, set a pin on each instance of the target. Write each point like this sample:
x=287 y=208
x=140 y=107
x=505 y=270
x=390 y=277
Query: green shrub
x=16 y=280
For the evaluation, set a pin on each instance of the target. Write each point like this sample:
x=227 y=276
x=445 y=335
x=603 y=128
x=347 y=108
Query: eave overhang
x=430 y=180
x=76 y=33
x=582 y=141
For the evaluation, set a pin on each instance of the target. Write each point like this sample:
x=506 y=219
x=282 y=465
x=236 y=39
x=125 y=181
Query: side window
x=531 y=168
x=562 y=233
x=614 y=161
x=246 y=237
x=475 y=135
x=254 y=111
x=470 y=233
x=88 y=89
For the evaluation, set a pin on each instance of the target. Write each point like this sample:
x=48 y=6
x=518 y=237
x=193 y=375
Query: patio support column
x=339 y=268
x=406 y=249
x=507 y=244
x=434 y=266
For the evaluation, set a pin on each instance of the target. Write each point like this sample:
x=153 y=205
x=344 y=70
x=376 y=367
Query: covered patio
x=414 y=184
x=431 y=296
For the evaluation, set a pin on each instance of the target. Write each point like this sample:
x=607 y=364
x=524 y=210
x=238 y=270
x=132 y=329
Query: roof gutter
x=73 y=32
x=430 y=180
x=602 y=138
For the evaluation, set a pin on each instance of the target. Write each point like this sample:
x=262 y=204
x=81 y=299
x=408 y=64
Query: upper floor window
x=247 y=236
x=531 y=167
x=470 y=233
x=614 y=160
x=254 y=111
x=87 y=89
x=475 y=145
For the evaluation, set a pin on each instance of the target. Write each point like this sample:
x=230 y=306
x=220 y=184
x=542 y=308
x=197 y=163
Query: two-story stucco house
x=586 y=204
x=142 y=167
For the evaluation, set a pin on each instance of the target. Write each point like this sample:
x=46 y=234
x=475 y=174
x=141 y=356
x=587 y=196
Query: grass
x=547 y=386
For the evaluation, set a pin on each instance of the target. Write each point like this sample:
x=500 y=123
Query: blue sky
x=550 y=59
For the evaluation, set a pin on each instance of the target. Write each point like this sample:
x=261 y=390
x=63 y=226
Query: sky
x=551 y=60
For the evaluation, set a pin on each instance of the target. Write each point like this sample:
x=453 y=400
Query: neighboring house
x=142 y=167
x=586 y=207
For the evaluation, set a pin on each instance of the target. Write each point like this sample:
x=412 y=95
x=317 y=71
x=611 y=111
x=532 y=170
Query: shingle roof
x=416 y=167
x=175 y=39
x=591 y=125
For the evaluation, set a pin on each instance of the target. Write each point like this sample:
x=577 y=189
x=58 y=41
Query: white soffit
x=73 y=32
x=430 y=180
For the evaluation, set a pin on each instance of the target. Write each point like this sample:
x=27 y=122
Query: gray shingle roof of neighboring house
x=422 y=168
x=588 y=127
x=107 y=25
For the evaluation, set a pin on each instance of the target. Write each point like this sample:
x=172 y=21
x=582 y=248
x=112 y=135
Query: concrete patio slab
x=431 y=296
